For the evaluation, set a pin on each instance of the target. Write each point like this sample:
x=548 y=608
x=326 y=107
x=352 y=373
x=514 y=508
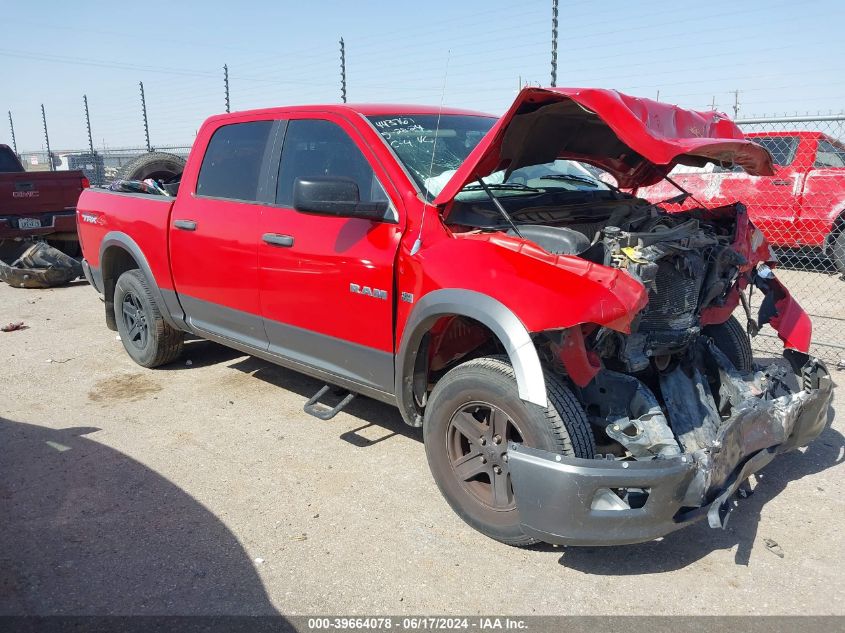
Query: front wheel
x=473 y=412
x=733 y=341
x=145 y=335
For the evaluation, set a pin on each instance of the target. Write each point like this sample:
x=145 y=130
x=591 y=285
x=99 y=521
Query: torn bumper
x=573 y=501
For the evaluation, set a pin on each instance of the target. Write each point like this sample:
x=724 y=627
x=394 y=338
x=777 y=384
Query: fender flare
x=122 y=240
x=488 y=311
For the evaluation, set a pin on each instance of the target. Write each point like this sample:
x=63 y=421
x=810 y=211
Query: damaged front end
x=671 y=476
x=679 y=423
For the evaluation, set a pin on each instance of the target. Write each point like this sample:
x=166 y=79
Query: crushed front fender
x=572 y=501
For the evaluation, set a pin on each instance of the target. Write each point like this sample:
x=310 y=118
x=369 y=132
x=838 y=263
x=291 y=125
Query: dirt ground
x=202 y=487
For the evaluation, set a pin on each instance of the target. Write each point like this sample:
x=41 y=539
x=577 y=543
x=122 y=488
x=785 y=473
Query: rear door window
x=829 y=155
x=231 y=168
x=782 y=148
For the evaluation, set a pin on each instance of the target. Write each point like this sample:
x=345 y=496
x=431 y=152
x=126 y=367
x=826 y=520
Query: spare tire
x=156 y=165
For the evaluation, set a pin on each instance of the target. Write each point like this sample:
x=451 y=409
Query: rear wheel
x=732 y=339
x=473 y=412
x=145 y=335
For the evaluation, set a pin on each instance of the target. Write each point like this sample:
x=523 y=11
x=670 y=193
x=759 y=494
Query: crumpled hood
x=637 y=141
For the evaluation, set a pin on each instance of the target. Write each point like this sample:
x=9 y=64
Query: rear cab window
x=232 y=166
x=8 y=161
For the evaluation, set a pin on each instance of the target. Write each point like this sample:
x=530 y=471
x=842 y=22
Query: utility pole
x=97 y=179
x=342 y=70
x=12 y=127
x=713 y=103
x=226 y=85
x=657 y=98
x=47 y=138
x=736 y=103
x=554 y=43
x=144 y=113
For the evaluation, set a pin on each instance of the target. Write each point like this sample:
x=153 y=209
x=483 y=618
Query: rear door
x=327 y=290
x=214 y=233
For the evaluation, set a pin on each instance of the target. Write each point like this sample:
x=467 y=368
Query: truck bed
x=144 y=217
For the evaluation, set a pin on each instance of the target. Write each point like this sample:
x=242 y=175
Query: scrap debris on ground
x=37 y=265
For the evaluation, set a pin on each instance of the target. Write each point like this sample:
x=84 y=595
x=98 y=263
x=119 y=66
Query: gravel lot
x=204 y=488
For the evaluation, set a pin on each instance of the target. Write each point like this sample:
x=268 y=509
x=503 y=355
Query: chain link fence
x=800 y=210
x=101 y=168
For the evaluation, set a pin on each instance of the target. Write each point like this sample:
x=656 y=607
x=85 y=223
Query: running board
x=323 y=411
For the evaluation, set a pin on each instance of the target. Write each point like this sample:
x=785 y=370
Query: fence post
x=12 y=127
x=554 y=43
x=226 y=84
x=144 y=113
x=47 y=139
x=342 y=70
x=97 y=176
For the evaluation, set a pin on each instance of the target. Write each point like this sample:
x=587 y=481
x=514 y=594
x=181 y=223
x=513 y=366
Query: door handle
x=781 y=182
x=274 y=239
x=185 y=225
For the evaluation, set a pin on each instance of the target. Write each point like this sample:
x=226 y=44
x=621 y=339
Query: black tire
x=837 y=251
x=146 y=337
x=156 y=165
x=732 y=339
x=461 y=396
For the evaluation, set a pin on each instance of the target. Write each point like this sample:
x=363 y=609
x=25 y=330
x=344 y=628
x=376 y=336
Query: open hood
x=637 y=141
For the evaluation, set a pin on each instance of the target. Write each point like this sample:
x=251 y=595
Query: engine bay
x=671 y=386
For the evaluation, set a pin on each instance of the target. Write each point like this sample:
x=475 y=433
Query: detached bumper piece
x=38 y=265
x=572 y=501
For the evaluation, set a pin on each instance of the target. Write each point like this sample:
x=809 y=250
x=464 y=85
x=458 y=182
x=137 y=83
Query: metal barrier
x=800 y=210
x=101 y=168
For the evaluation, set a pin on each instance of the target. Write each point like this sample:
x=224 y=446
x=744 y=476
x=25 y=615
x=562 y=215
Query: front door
x=327 y=290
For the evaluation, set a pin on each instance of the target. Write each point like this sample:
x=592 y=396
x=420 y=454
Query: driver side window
x=314 y=148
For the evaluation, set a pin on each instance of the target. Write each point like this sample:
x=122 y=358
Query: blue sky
x=781 y=55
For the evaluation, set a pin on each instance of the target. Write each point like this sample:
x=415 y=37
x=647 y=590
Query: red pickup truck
x=568 y=349
x=801 y=205
x=38 y=204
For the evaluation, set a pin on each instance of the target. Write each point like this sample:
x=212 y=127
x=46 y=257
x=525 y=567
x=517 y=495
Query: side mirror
x=334 y=196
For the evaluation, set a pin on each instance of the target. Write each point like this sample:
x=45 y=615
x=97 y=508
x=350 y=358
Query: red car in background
x=801 y=205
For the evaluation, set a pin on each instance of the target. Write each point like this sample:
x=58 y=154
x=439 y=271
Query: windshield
x=413 y=140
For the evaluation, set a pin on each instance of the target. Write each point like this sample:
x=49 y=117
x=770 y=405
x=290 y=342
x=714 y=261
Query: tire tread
x=564 y=415
x=169 y=341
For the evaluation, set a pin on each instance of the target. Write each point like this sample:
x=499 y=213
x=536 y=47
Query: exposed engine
x=685 y=264
x=665 y=389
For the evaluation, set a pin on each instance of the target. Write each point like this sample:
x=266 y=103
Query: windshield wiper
x=501 y=186
x=570 y=177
